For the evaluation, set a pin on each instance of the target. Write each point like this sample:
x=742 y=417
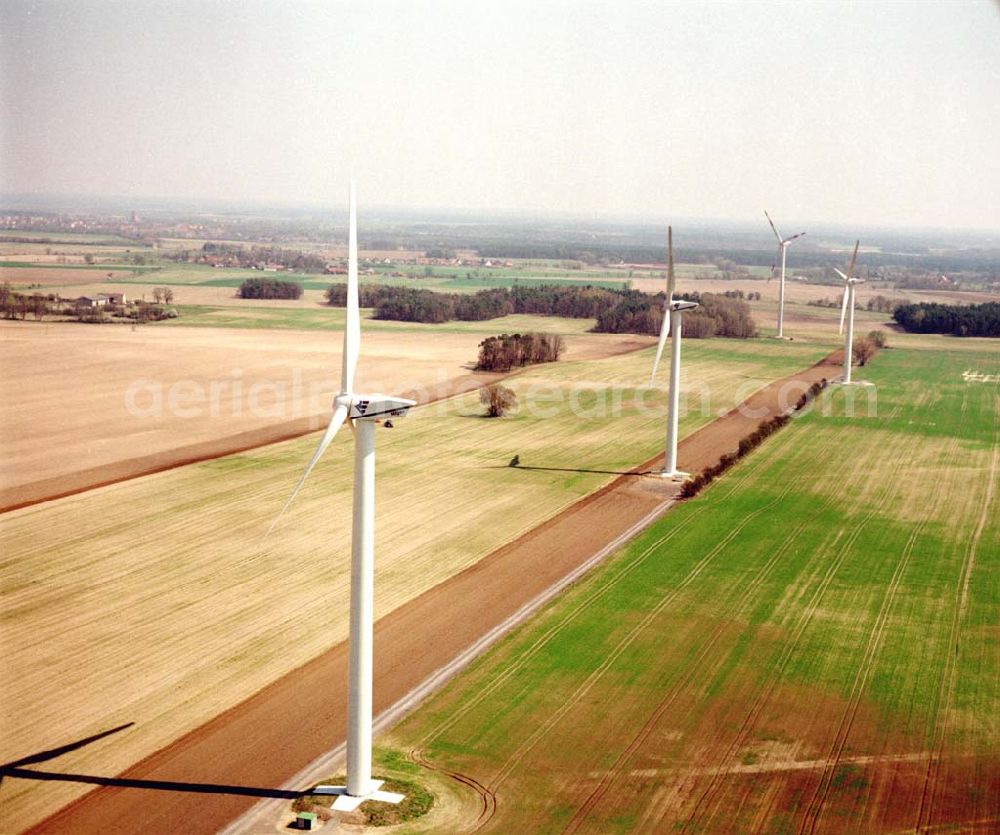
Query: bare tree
x=497 y=399
x=157 y=294
x=864 y=350
x=168 y=295
x=39 y=306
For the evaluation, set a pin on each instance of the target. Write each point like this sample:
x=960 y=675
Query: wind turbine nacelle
x=683 y=305
x=372 y=406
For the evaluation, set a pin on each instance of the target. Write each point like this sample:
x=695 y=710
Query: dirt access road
x=212 y=775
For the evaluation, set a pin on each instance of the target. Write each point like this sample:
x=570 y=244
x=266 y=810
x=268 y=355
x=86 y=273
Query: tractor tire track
x=488 y=798
x=544 y=639
x=550 y=634
x=788 y=651
x=515 y=759
x=676 y=689
x=925 y=812
x=875 y=639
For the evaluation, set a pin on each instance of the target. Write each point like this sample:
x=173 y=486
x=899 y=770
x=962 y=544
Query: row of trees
x=739 y=294
x=883 y=304
x=957 y=320
x=507 y=351
x=369 y=295
x=138 y=312
x=269 y=288
x=20 y=305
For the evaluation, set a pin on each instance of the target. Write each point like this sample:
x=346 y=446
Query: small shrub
x=878 y=339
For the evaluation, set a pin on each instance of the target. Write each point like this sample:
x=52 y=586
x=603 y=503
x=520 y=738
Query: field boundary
x=92 y=478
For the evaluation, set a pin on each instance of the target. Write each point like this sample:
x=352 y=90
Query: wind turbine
x=671 y=326
x=849 y=282
x=363 y=411
x=782 y=246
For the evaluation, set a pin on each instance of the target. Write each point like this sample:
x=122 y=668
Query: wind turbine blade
x=838 y=272
x=671 y=278
x=843 y=310
x=854 y=257
x=339 y=415
x=773 y=228
x=352 y=326
x=794 y=237
x=664 y=333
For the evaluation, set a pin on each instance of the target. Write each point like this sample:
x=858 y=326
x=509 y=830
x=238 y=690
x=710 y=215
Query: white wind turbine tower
x=672 y=310
x=363 y=411
x=783 y=246
x=849 y=282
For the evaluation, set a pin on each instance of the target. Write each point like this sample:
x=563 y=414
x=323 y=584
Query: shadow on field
x=16 y=769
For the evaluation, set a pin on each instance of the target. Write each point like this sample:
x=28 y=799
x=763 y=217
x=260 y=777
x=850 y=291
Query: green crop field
x=812 y=644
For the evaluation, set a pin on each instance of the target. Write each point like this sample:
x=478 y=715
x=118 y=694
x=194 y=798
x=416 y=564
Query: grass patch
x=416 y=803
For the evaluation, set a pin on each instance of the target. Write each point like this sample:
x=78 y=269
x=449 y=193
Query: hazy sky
x=867 y=112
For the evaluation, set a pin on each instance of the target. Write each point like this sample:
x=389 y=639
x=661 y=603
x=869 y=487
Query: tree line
x=507 y=351
x=410 y=304
x=255 y=257
x=616 y=310
x=269 y=288
x=957 y=320
x=14 y=305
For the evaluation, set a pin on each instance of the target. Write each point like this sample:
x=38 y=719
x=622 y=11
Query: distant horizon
x=70 y=203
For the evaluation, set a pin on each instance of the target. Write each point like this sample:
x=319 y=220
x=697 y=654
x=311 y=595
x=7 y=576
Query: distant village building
x=101 y=300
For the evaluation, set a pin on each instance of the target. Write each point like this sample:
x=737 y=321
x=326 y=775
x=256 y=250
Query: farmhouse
x=101 y=300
